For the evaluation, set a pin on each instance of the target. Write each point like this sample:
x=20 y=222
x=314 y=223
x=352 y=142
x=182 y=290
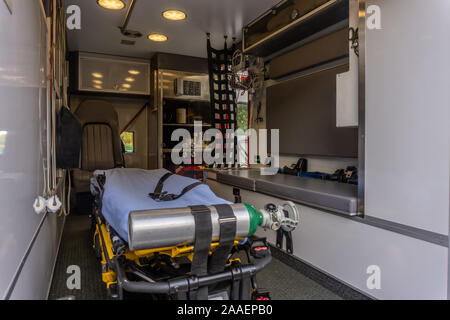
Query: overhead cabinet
x=111 y=74
x=291 y=21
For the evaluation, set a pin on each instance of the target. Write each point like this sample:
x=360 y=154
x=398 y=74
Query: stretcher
x=170 y=237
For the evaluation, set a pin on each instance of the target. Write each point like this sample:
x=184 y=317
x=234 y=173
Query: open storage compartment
x=291 y=21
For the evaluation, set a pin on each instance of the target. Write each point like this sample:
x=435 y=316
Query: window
x=242 y=123
x=242 y=114
x=3 y=141
x=128 y=141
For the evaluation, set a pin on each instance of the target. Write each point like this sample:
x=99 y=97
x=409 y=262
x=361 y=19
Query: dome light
x=174 y=15
x=157 y=37
x=111 y=4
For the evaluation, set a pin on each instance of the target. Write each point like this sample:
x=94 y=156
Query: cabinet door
x=101 y=73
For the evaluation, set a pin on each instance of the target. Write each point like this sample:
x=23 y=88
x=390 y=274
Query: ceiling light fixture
x=174 y=15
x=129 y=79
x=97 y=75
x=111 y=4
x=157 y=37
x=98 y=87
x=126 y=85
x=97 y=81
x=134 y=72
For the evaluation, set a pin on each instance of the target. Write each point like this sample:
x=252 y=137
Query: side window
x=3 y=140
x=128 y=141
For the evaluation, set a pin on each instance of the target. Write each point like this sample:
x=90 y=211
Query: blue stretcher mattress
x=127 y=190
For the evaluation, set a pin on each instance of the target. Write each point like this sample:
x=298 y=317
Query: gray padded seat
x=101 y=146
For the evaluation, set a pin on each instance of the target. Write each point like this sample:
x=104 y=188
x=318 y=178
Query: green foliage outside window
x=242 y=116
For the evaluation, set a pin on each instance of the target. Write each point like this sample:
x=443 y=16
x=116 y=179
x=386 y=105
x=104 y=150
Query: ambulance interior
x=231 y=150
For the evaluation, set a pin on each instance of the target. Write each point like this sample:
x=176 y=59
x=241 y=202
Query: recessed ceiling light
x=134 y=72
x=157 y=37
x=174 y=15
x=129 y=79
x=97 y=75
x=97 y=81
x=98 y=86
x=126 y=85
x=111 y=4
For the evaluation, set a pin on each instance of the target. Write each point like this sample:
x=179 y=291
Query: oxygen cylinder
x=162 y=228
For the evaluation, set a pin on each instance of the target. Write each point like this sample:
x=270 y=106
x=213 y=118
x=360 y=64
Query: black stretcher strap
x=158 y=195
x=160 y=184
x=227 y=221
x=202 y=246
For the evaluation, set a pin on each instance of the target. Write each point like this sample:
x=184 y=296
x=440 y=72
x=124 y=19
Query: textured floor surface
x=76 y=249
x=283 y=282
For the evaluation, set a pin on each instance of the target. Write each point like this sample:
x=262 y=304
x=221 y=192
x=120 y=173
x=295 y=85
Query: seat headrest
x=97 y=111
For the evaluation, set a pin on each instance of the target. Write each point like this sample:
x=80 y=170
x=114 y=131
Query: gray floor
x=76 y=249
x=283 y=282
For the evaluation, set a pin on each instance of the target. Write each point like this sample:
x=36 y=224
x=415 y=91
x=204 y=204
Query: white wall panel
x=410 y=268
x=408 y=114
x=22 y=121
x=33 y=282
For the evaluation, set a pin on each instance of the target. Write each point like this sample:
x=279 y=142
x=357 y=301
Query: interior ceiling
x=100 y=33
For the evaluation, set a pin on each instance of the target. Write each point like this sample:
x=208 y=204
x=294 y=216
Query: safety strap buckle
x=162 y=196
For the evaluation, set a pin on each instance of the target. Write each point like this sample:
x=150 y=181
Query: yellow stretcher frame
x=109 y=277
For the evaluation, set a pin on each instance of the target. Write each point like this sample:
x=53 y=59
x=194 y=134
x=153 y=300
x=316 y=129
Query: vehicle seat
x=100 y=146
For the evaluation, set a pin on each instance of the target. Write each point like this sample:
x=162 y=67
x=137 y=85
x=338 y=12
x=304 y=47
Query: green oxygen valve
x=274 y=217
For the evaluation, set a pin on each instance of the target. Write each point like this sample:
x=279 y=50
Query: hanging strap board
x=227 y=221
x=222 y=95
x=202 y=246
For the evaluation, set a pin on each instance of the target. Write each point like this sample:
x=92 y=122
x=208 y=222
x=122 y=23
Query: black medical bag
x=68 y=139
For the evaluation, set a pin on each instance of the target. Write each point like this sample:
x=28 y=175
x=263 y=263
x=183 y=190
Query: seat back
x=97 y=147
x=101 y=147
